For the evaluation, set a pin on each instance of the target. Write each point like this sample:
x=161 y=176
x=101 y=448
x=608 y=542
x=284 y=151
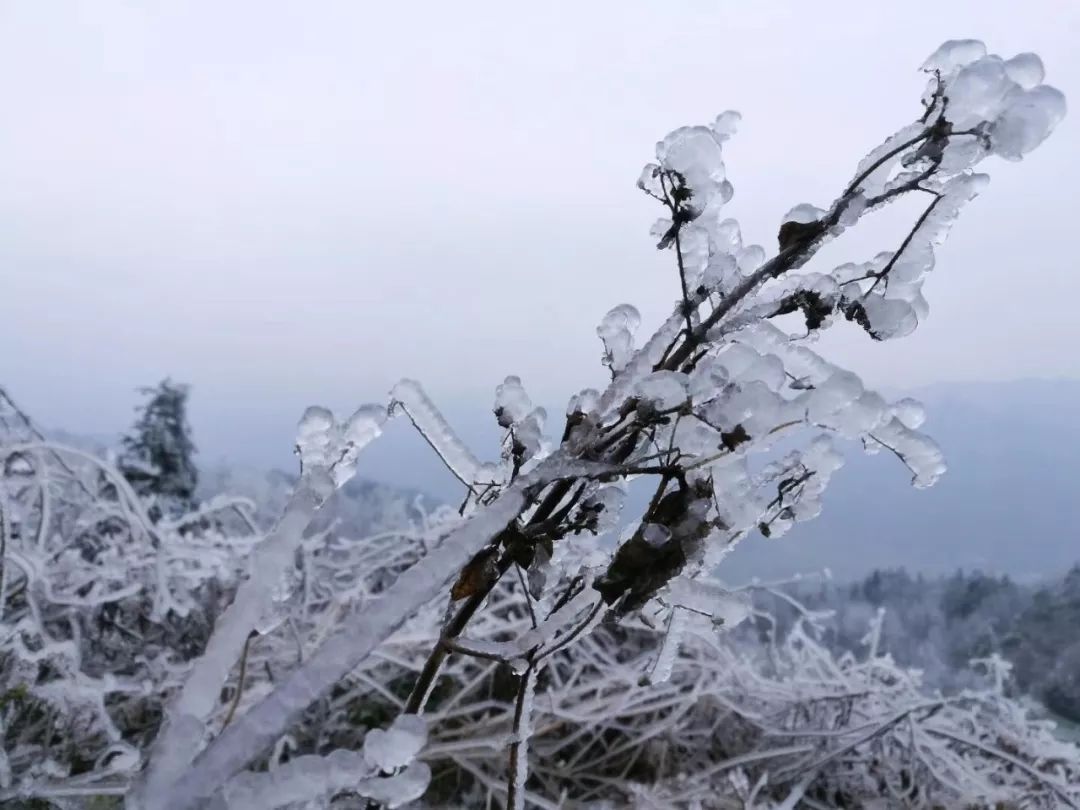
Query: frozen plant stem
x=464 y=614
x=519 y=746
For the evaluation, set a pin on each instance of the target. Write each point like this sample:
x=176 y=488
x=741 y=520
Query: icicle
x=669 y=648
x=724 y=607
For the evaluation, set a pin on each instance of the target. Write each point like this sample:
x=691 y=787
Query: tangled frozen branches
x=741 y=721
x=99 y=611
x=732 y=417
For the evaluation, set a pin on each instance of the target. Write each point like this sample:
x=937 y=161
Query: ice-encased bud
x=649 y=180
x=750 y=259
x=313 y=437
x=1026 y=69
x=512 y=404
x=616 y=331
x=329 y=450
x=663 y=389
x=695 y=155
x=726 y=124
x=804 y=213
x=726 y=608
x=1027 y=121
x=954 y=53
x=584 y=401
x=398 y=745
x=362 y=428
x=910 y=412
x=602 y=508
x=889 y=318
x=978 y=92
x=365 y=424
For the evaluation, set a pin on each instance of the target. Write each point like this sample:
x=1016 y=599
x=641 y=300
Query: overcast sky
x=287 y=203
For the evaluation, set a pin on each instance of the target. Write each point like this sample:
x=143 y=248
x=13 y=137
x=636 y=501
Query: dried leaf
x=477 y=574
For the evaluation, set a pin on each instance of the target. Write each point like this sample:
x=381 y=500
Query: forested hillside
x=940 y=625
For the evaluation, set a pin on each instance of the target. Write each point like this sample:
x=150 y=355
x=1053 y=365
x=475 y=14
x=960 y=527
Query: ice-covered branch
x=328 y=453
x=410 y=397
x=254 y=731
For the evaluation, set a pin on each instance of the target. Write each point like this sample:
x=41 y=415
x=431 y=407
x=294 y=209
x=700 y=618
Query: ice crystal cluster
x=509 y=640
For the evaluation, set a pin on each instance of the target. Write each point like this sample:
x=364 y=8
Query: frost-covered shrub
x=739 y=721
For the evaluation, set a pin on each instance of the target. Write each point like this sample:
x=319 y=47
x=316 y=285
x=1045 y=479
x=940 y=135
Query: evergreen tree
x=158 y=453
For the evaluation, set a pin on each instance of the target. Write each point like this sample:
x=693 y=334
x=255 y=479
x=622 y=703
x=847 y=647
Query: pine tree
x=158 y=454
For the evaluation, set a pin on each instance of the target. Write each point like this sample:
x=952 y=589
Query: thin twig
x=239 y=681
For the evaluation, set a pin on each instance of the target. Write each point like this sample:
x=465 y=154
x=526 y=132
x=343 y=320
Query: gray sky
x=286 y=203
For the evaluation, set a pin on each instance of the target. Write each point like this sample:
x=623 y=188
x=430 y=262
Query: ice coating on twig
x=328 y=453
x=919 y=453
x=310 y=779
x=326 y=446
x=519 y=752
x=663 y=390
x=512 y=404
x=708 y=598
x=524 y=424
x=409 y=396
x=397 y=746
x=639 y=365
x=616 y=332
x=804 y=213
x=953 y=54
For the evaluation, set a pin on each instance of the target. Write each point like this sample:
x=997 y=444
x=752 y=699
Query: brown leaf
x=476 y=575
